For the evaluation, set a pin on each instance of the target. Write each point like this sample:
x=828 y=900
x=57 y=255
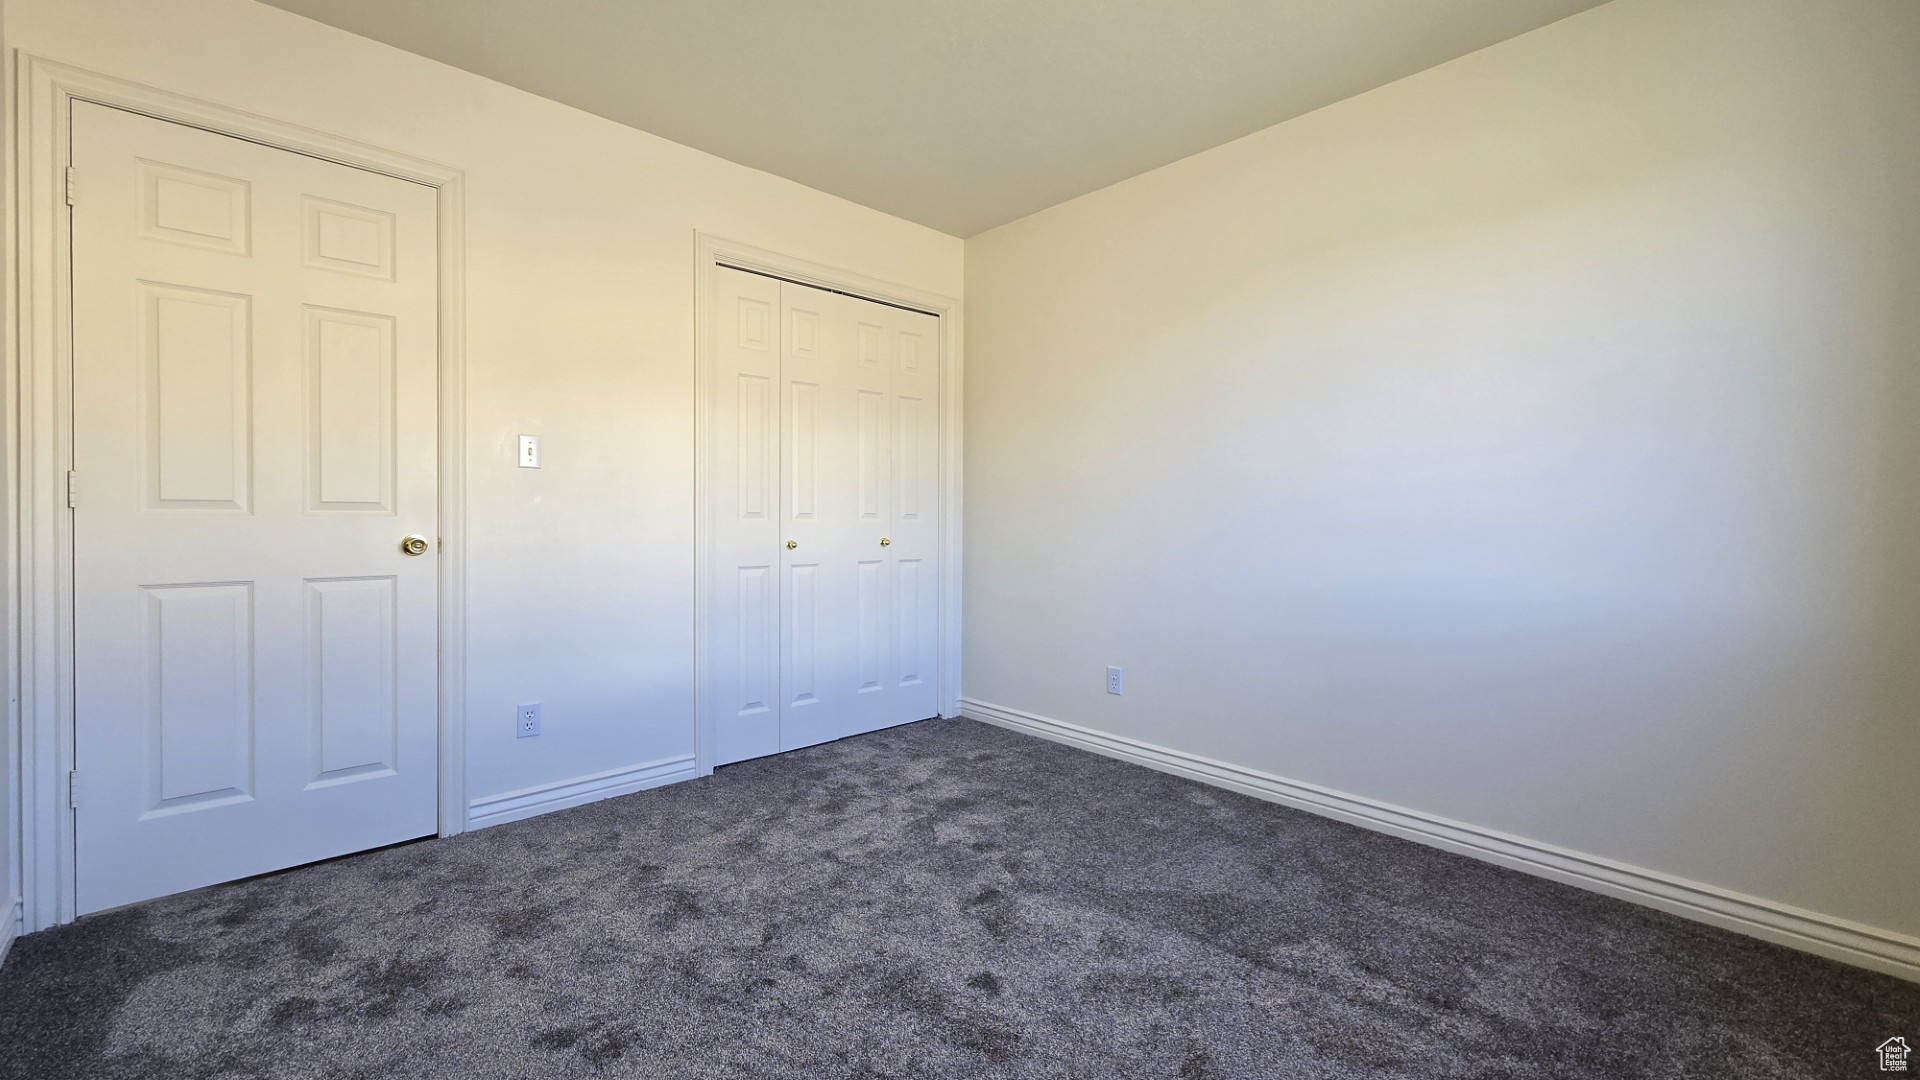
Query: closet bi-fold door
x=912 y=556
x=824 y=478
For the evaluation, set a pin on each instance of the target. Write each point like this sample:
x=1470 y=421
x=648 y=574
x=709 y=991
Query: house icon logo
x=1893 y=1054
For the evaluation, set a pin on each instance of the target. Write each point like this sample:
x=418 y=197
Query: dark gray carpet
x=940 y=900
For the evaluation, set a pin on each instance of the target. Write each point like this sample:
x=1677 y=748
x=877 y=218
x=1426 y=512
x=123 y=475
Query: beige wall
x=1531 y=442
x=580 y=329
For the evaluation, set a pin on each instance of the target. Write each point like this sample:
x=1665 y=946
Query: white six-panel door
x=254 y=408
x=825 y=466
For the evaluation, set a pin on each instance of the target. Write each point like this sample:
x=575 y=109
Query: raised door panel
x=911 y=621
x=870 y=461
x=753 y=487
x=350 y=411
x=802 y=435
x=197 y=378
x=803 y=330
x=352 y=672
x=348 y=239
x=801 y=675
x=870 y=339
x=870 y=632
x=913 y=349
x=754 y=322
x=755 y=600
x=198 y=209
x=912 y=420
x=200 y=715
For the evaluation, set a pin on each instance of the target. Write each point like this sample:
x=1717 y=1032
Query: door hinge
x=69 y=185
x=73 y=489
x=73 y=789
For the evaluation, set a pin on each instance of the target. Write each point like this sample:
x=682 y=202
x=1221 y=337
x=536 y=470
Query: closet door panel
x=913 y=555
x=745 y=515
x=822 y=491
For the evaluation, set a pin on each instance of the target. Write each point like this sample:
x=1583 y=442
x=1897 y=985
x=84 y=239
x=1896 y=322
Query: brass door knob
x=791 y=544
x=414 y=544
x=884 y=541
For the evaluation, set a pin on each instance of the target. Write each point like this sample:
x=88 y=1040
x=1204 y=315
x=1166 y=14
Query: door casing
x=709 y=250
x=40 y=430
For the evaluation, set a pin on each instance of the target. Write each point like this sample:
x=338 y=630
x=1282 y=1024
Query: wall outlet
x=1116 y=680
x=529 y=451
x=526 y=722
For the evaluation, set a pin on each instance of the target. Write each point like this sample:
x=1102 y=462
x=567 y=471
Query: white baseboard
x=532 y=801
x=9 y=927
x=1849 y=942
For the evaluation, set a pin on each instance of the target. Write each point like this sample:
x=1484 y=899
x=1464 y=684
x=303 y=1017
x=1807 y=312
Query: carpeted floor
x=940 y=900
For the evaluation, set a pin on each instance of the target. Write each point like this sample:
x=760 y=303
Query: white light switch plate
x=529 y=451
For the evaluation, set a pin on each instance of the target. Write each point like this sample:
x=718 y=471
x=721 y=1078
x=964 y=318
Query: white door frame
x=710 y=249
x=40 y=434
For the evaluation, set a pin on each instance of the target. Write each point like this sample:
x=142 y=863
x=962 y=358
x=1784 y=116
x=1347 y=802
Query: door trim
x=709 y=250
x=39 y=365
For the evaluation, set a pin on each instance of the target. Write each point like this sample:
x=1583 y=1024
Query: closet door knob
x=791 y=544
x=884 y=541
